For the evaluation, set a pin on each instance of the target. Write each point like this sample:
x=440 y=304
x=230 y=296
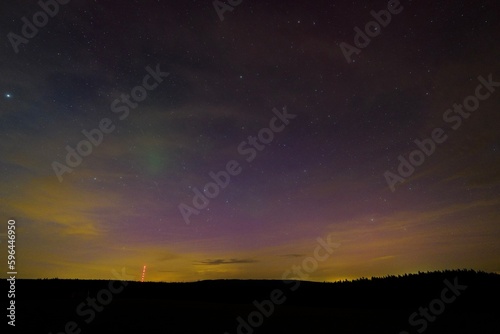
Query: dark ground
x=381 y=305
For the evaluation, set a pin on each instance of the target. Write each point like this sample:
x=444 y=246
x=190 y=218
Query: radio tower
x=143 y=273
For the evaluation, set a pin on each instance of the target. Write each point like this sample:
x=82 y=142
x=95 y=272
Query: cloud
x=61 y=207
x=293 y=255
x=383 y=258
x=216 y=262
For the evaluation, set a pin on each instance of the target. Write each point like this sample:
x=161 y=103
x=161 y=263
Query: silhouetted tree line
x=214 y=305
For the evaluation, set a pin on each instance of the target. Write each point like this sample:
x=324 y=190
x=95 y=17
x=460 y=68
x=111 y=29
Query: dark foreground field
x=439 y=302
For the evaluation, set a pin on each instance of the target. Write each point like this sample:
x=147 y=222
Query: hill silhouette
x=459 y=301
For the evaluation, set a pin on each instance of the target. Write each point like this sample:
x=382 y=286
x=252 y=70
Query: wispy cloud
x=215 y=262
x=293 y=255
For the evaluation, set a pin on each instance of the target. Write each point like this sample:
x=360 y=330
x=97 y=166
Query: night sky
x=313 y=134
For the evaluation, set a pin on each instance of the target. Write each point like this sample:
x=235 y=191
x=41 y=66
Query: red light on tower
x=143 y=273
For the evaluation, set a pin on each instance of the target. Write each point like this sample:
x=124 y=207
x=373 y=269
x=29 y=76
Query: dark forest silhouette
x=376 y=305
